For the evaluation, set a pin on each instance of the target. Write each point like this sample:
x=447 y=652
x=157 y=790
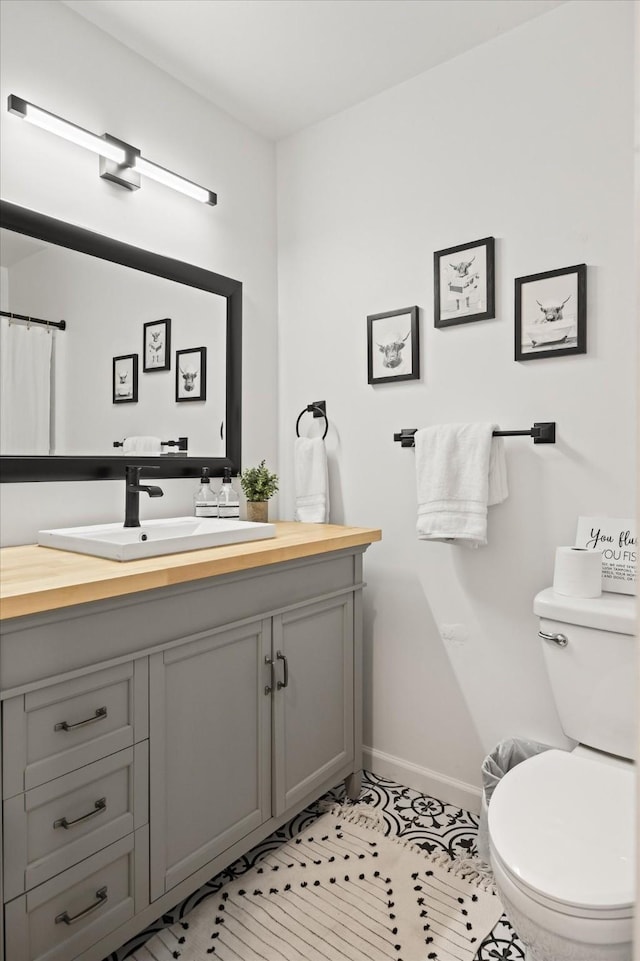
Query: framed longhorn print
x=464 y=283
x=125 y=379
x=157 y=345
x=551 y=313
x=191 y=374
x=393 y=346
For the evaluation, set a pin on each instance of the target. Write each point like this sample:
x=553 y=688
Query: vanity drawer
x=57 y=729
x=52 y=827
x=65 y=916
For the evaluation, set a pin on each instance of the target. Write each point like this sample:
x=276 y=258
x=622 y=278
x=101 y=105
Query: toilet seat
x=561 y=826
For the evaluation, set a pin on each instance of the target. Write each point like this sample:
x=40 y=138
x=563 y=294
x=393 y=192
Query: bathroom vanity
x=161 y=717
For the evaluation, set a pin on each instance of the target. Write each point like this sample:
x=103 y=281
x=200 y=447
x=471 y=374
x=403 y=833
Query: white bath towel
x=311 y=480
x=460 y=472
x=142 y=445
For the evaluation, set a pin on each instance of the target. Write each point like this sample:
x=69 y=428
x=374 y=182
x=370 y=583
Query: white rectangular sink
x=153 y=538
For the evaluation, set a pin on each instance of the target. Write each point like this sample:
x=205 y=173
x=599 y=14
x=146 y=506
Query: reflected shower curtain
x=25 y=389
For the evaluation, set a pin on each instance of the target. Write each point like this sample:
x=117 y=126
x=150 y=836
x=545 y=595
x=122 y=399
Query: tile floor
x=430 y=824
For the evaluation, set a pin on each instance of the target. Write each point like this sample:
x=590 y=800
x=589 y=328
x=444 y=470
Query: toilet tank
x=593 y=676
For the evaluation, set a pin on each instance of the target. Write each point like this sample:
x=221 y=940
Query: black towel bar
x=543 y=432
x=182 y=443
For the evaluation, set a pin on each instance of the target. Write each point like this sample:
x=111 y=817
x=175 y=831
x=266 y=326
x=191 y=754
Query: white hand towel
x=460 y=472
x=311 y=480
x=142 y=445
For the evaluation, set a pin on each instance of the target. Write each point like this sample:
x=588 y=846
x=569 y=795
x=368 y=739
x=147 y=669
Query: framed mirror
x=141 y=333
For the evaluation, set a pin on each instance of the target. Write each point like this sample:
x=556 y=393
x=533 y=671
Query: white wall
x=529 y=139
x=55 y=58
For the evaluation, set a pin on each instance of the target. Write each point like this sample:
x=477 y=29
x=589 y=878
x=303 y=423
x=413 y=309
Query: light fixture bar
x=119 y=161
x=63 y=128
x=169 y=179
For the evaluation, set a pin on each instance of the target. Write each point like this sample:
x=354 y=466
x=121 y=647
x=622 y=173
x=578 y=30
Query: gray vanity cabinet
x=246 y=723
x=210 y=749
x=313 y=706
x=150 y=740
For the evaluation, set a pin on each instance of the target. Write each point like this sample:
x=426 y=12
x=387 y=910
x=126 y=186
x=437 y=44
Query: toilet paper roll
x=577 y=572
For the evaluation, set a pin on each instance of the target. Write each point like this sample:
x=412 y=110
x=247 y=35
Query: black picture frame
x=124 y=379
x=551 y=313
x=463 y=293
x=191 y=374
x=388 y=359
x=156 y=345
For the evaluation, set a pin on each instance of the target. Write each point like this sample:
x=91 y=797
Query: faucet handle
x=132 y=472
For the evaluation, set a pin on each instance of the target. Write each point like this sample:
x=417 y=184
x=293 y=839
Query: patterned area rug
x=339 y=891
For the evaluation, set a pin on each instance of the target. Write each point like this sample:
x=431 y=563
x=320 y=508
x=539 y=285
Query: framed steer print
x=551 y=313
x=464 y=283
x=125 y=379
x=393 y=348
x=191 y=374
x=157 y=345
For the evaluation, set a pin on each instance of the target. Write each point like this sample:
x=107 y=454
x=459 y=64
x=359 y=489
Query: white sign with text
x=616 y=539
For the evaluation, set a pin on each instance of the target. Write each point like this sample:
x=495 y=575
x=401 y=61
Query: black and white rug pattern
x=432 y=825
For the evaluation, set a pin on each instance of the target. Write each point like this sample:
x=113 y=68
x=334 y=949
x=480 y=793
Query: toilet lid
x=563 y=825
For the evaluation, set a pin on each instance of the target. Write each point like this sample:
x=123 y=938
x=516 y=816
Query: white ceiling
x=280 y=65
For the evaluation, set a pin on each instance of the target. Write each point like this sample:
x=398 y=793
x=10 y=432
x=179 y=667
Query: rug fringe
x=469 y=869
x=361 y=814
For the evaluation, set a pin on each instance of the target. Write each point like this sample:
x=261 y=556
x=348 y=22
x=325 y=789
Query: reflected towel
x=460 y=472
x=141 y=445
x=311 y=480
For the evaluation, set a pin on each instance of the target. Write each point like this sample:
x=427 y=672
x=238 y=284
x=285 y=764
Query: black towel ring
x=318 y=410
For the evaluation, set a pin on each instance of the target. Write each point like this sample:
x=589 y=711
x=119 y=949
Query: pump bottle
x=228 y=500
x=205 y=502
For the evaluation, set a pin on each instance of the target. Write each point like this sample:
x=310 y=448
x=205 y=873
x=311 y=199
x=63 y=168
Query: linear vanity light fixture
x=120 y=163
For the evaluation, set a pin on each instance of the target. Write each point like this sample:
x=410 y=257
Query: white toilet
x=561 y=824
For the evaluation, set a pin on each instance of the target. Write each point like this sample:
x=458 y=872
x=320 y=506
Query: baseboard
x=421 y=779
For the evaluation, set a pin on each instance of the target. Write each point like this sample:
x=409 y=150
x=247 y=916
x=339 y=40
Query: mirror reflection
x=141 y=363
x=132 y=294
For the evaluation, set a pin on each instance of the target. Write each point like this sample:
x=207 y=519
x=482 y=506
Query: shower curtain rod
x=59 y=324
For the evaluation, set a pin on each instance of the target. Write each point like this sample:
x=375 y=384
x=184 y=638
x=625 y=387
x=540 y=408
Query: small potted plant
x=258 y=484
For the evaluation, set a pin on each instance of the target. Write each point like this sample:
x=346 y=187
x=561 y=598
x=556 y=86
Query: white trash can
x=505 y=756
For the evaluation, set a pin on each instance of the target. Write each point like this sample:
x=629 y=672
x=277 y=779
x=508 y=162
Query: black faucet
x=133 y=489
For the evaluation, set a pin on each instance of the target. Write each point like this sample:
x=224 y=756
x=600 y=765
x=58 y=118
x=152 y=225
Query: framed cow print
x=191 y=374
x=393 y=346
x=551 y=313
x=464 y=283
x=125 y=379
x=157 y=345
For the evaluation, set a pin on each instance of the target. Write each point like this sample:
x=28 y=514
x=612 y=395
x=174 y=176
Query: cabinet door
x=210 y=748
x=313 y=699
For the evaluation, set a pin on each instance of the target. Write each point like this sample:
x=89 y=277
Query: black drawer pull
x=66 y=918
x=283 y=657
x=100 y=805
x=65 y=726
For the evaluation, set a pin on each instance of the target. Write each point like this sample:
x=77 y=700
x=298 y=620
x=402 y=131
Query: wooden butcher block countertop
x=34 y=579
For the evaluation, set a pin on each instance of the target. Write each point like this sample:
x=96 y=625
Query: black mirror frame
x=53 y=467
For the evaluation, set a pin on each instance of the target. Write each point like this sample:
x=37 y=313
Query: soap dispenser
x=228 y=500
x=205 y=502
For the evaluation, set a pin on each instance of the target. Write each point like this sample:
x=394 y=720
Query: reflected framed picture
x=393 y=346
x=551 y=313
x=125 y=379
x=191 y=374
x=156 y=345
x=464 y=283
